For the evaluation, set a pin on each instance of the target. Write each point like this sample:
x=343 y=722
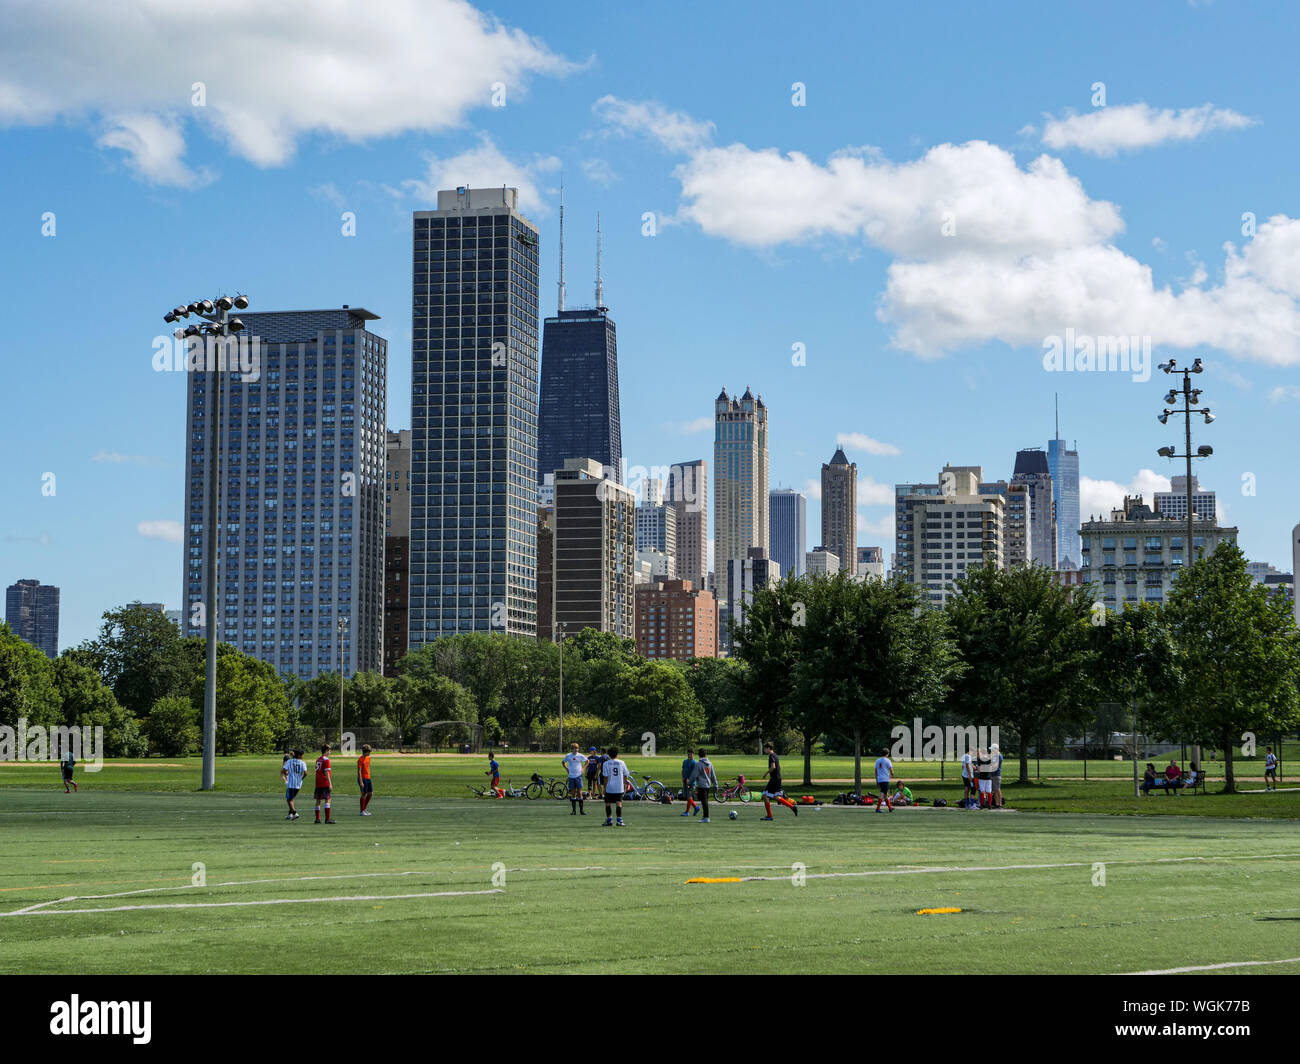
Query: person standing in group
x=688 y=783
x=593 y=771
x=614 y=775
x=363 y=779
x=293 y=772
x=66 y=766
x=705 y=779
x=967 y=776
x=1270 y=769
x=574 y=762
x=772 y=789
x=884 y=774
x=324 y=784
x=984 y=767
x=996 y=754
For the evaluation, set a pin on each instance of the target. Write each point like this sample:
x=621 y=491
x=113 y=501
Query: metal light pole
x=219 y=327
x=1189 y=396
x=559 y=630
x=343 y=627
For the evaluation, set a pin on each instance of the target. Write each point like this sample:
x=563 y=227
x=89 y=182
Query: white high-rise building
x=1173 y=503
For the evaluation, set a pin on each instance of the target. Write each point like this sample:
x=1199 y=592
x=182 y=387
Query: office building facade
x=688 y=495
x=1063 y=466
x=397 y=547
x=32 y=612
x=675 y=619
x=1032 y=471
x=578 y=412
x=745 y=576
x=595 y=550
x=822 y=562
x=474 y=374
x=302 y=499
x=1173 y=503
x=787 y=518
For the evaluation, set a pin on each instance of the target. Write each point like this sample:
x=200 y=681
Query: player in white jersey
x=293 y=772
x=1270 y=769
x=614 y=772
x=574 y=762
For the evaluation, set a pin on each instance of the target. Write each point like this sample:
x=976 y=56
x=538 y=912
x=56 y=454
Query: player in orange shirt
x=363 y=779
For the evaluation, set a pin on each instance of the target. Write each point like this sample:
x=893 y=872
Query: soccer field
x=105 y=882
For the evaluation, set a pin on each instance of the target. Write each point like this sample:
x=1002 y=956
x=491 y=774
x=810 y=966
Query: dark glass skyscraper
x=578 y=416
x=32 y=611
x=474 y=417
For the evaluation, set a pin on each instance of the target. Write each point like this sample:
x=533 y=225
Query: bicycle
x=508 y=791
x=649 y=791
x=734 y=792
x=556 y=788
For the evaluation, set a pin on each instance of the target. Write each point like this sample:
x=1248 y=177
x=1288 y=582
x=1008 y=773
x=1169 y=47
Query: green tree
x=27 y=686
x=368 y=701
x=1238 y=655
x=253 y=712
x=138 y=655
x=530 y=688
x=719 y=684
x=87 y=703
x=173 y=727
x=659 y=700
x=1028 y=649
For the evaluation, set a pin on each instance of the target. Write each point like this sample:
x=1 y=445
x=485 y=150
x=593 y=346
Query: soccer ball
x=733 y=815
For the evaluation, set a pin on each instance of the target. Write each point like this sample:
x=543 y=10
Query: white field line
x=266 y=901
x=1212 y=967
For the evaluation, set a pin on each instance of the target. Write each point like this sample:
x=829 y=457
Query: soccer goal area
x=450 y=736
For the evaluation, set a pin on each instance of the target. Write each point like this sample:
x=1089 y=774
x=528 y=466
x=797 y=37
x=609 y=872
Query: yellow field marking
x=930 y=912
x=722 y=879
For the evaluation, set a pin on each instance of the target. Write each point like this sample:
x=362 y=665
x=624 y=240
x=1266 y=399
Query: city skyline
x=708 y=287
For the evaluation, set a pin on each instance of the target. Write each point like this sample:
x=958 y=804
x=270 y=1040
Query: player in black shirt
x=772 y=789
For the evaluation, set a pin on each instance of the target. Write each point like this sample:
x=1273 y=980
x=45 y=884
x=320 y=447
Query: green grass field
x=103 y=881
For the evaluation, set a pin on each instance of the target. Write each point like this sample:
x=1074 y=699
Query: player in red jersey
x=324 y=784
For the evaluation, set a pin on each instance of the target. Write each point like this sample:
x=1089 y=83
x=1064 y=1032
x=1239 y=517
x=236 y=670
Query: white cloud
x=1284 y=392
x=985 y=250
x=329 y=192
x=485 y=166
x=1108 y=130
x=812 y=487
x=882 y=529
x=873 y=493
x=674 y=130
x=272 y=73
x=1098 y=497
x=599 y=172
x=858 y=441
x=689 y=428
x=168 y=530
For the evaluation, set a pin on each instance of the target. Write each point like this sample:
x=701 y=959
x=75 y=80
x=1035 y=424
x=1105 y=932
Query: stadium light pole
x=218 y=327
x=343 y=627
x=1189 y=395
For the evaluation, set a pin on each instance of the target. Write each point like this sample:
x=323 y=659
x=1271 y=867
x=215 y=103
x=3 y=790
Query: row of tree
x=1014 y=649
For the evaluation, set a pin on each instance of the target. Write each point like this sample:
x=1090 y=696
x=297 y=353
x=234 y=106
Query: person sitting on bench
x=1173 y=777
x=1149 y=780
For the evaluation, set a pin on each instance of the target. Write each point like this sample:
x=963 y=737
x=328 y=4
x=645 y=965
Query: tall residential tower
x=840 y=509
x=740 y=492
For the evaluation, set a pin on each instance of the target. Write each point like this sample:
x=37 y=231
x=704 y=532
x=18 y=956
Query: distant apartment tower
x=546 y=573
x=740 y=491
x=840 y=508
x=595 y=548
x=674 y=619
x=871 y=563
x=397 y=547
x=302 y=493
x=1173 y=503
x=688 y=494
x=1137 y=554
x=944 y=529
x=788 y=529
x=1033 y=471
x=656 y=528
x=1018 y=524
x=822 y=562
x=474 y=417
x=1063 y=465
x=744 y=576
x=32 y=611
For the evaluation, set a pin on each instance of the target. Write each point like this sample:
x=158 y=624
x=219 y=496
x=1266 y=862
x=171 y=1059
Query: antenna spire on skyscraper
x=600 y=281
x=561 y=285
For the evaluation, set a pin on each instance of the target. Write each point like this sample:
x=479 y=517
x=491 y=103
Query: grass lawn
x=107 y=879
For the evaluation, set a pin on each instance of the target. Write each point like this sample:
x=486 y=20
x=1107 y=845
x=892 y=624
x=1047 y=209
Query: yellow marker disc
x=730 y=879
x=927 y=912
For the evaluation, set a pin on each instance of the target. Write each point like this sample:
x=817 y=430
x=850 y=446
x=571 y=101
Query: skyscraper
x=840 y=509
x=688 y=494
x=744 y=576
x=1033 y=471
x=788 y=529
x=397 y=547
x=595 y=546
x=1063 y=465
x=474 y=417
x=302 y=499
x=1173 y=503
x=578 y=413
x=740 y=492
x=32 y=611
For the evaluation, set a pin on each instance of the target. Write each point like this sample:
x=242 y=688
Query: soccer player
x=593 y=771
x=884 y=773
x=967 y=776
x=363 y=779
x=705 y=779
x=773 y=787
x=1270 y=768
x=996 y=754
x=494 y=770
x=574 y=762
x=293 y=772
x=688 y=785
x=614 y=777
x=324 y=784
x=984 y=767
x=69 y=763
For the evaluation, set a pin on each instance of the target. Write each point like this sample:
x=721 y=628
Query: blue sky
x=946 y=199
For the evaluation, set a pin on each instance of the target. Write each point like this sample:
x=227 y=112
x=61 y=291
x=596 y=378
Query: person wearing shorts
x=1270 y=769
x=574 y=762
x=884 y=773
x=68 y=764
x=614 y=774
x=363 y=780
x=324 y=784
x=772 y=789
x=984 y=765
x=293 y=772
x=705 y=779
x=967 y=776
x=593 y=770
x=494 y=770
x=996 y=755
